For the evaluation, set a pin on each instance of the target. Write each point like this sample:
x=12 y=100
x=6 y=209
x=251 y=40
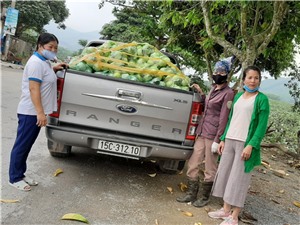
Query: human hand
x=221 y=147
x=246 y=152
x=197 y=87
x=60 y=66
x=41 y=120
x=214 y=147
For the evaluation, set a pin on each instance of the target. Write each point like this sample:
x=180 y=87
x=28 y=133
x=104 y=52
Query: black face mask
x=219 y=79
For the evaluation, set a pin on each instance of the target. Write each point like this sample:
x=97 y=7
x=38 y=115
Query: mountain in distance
x=69 y=37
x=277 y=88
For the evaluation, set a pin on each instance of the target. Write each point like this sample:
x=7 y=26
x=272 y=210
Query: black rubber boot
x=191 y=193
x=205 y=193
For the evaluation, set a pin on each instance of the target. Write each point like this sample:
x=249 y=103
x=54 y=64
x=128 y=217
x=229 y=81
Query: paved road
x=105 y=190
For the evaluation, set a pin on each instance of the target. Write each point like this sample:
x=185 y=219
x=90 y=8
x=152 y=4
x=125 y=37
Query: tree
x=256 y=32
x=137 y=22
x=294 y=85
x=82 y=42
x=263 y=33
x=35 y=15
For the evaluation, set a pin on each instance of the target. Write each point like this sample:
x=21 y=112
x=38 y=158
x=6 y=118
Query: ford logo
x=126 y=108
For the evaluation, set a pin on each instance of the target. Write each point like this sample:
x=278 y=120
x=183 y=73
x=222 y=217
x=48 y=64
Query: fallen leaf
x=296 y=203
x=291 y=209
x=207 y=209
x=170 y=189
x=274 y=156
x=279 y=173
x=182 y=187
x=75 y=216
x=152 y=175
x=58 y=171
x=188 y=214
x=254 y=192
x=275 y=201
x=9 y=201
x=297 y=165
x=265 y=164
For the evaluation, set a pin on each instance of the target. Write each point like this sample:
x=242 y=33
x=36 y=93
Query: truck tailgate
x=94 y=100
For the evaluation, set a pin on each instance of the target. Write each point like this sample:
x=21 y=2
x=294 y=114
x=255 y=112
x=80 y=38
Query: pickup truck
x=123 y=118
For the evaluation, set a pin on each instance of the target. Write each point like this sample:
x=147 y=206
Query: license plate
x=119 y=148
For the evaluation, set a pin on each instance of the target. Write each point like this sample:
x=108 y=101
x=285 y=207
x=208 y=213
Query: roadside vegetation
x=284 y=124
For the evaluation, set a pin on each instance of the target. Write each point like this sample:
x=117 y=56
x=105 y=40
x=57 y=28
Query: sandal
x=30 y=181
x=21 y=185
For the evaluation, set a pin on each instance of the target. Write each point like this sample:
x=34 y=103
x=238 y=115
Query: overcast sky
x=85 y=16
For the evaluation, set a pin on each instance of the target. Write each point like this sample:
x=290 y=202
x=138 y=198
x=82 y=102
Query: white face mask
x=49 y=54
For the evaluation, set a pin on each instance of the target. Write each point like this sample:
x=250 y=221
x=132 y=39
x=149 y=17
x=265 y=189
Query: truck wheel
x=171 y=166
x=58 y=149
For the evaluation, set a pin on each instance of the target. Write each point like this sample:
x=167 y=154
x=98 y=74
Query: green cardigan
x=257 y=128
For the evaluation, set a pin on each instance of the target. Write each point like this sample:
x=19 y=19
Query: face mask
x=49 y=54
x=250 y=90
x=219 y=79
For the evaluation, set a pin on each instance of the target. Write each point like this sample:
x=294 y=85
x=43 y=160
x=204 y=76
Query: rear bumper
x=90 y=139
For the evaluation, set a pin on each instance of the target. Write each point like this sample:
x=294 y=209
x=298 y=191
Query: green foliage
x=294 y=86
x=82 y=42
x=285 y=124
x=239 y=28
x=197 y=80
x=63 y=54
x=35 y=15
x=139 y=23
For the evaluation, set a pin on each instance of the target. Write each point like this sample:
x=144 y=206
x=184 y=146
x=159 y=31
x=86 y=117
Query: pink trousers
x=202 y=151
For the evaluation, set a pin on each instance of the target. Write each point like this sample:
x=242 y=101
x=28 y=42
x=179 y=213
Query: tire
x=58 y=149
x=171 y=166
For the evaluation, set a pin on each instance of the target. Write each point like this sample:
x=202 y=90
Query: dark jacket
x=216 y=111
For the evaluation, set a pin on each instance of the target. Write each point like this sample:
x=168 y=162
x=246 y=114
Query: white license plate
x=119 y=148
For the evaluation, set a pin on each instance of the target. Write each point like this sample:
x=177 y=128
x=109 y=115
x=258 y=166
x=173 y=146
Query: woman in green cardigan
x=240 y=147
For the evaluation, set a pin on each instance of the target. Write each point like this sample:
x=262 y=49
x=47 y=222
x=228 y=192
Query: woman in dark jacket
x=210 y=128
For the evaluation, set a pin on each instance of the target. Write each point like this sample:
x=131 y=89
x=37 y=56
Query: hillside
x=277 y=88
x=69 y=38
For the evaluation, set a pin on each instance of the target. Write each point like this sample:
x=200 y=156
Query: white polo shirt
x=40 y=70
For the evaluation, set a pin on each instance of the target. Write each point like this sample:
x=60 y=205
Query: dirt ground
x=273 y=194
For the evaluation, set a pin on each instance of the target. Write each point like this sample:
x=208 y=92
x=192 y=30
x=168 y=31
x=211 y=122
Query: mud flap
x=171 y=166
x=58 y=149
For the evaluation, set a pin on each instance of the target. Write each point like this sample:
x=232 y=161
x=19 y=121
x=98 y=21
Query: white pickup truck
x=123 y=118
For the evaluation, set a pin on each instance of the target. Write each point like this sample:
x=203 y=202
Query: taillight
x=193 y=121
x=60 y=85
